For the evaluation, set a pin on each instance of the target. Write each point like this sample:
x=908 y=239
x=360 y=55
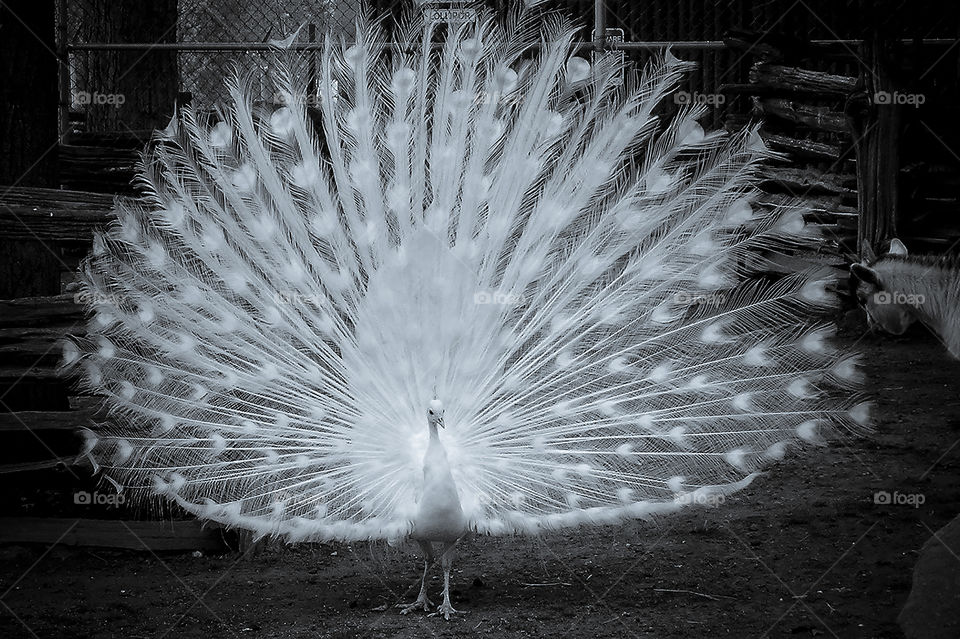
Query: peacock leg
x=422 y=601
x=446 y=560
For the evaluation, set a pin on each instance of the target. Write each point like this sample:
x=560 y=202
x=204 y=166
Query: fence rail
x=608 y=45
x=194 y=42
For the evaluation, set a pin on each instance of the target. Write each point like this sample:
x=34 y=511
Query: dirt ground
x=803 y=552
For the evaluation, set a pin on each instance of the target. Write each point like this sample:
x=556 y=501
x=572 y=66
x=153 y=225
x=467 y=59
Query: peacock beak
x=440 y=421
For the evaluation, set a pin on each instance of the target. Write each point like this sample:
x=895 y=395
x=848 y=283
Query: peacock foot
x=445 y=609
x=422 y=603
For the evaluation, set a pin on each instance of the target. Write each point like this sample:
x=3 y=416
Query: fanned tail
x=503 y=225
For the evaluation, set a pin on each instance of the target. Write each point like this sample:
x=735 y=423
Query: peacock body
x=439 y=515
x=495 y=225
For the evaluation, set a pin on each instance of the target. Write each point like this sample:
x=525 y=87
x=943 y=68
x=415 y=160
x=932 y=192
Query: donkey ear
x=868 y=254
x=897 y=247
x=865 y=274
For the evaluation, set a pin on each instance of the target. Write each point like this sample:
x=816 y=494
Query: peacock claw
x=446 y=610
x=421 y=602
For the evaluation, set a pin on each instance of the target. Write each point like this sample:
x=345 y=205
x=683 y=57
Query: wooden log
x=32 y=344
x=34 y=420
x=129 y=139
x=802 y=148
x=813 y=201
x=30 y=329
x=90 y=403
x=51 y=310
x=43 y=464
x=799 y=181
x=104 y=158
x=133 y=535
x=817 y=118
x=831 y=218
x=14 y=372
x=34 y=351
x=100 y=169
x=816 y=83
x=52 y=214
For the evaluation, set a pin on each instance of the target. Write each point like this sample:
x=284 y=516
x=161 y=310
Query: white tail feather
x=502 y=228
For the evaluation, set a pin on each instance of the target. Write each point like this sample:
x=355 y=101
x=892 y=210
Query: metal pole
x=404 y=46
x=312 y=83
x=600 y=24
x=63 y=78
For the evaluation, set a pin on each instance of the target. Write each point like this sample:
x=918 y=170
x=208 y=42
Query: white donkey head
x=886 y=308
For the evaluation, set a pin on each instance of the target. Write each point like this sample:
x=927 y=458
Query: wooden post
x=28 y=93
x=875 y=120
x=28 y=136
x=184 y=98
x=131 y=88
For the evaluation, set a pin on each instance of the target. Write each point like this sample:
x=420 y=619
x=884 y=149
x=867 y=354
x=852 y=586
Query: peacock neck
x=434 y=435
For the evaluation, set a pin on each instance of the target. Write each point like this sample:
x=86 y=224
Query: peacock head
x=435 y=413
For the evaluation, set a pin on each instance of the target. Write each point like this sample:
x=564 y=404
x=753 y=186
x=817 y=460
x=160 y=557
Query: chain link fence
x=202 y=72
x=129 y=62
